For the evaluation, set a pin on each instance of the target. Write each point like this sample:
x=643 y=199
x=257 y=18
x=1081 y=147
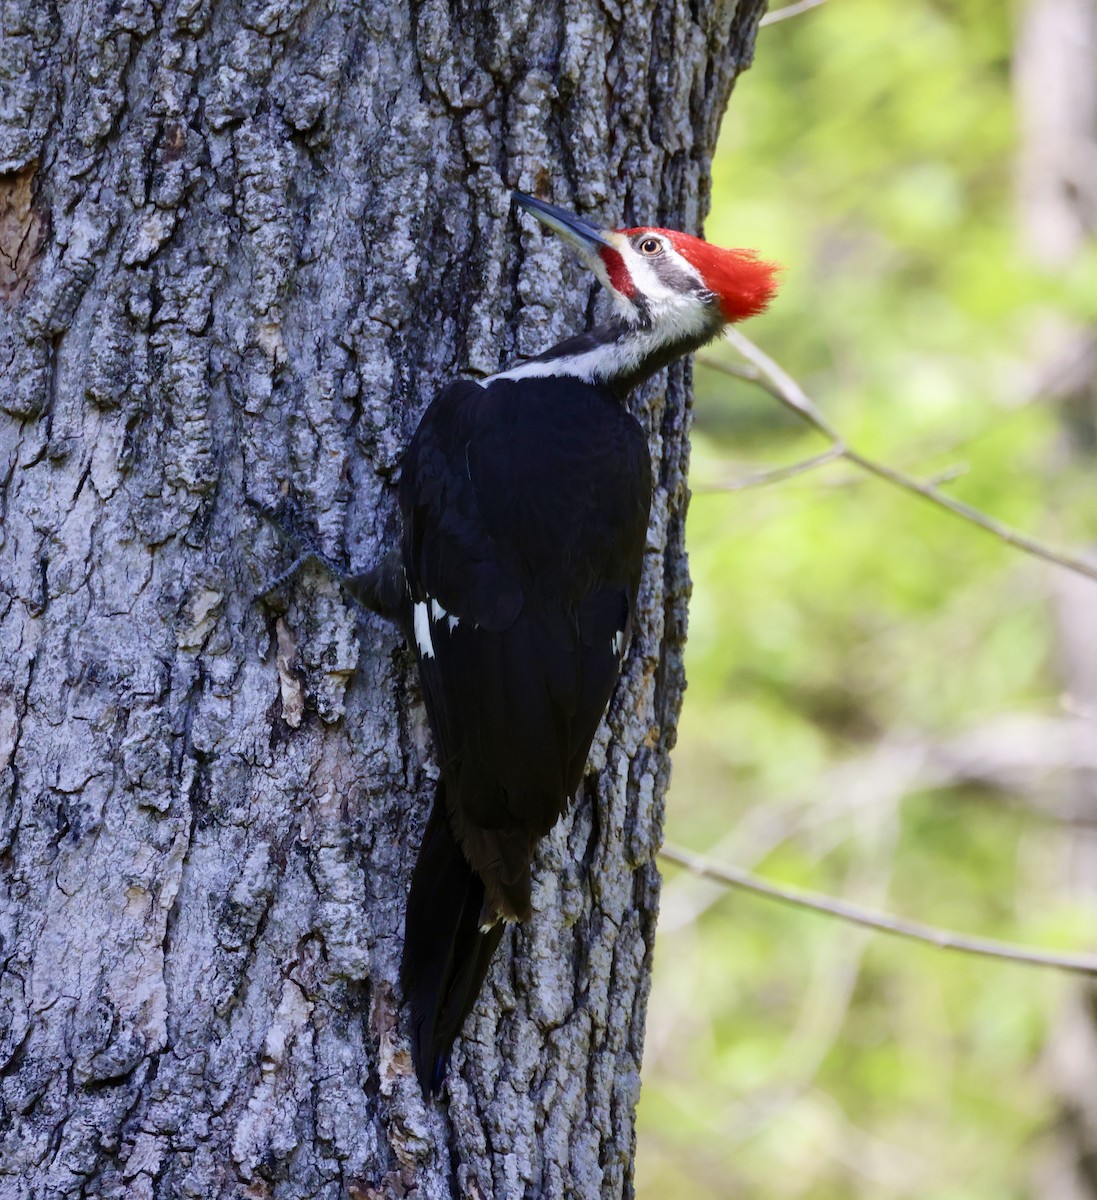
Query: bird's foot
x=381 y=589
x=302 y=535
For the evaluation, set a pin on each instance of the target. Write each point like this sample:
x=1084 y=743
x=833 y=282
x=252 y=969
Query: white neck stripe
x=617 y=358
x=602 y=363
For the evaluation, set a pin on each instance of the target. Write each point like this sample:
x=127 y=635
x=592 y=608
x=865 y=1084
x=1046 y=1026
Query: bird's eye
x=651 y=246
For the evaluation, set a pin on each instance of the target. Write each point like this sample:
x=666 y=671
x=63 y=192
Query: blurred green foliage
x=844 y=637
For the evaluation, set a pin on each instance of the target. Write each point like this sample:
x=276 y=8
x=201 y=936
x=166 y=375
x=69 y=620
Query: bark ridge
x=240 y=247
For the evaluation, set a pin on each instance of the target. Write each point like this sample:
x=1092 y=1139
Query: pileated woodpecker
x=525 y=501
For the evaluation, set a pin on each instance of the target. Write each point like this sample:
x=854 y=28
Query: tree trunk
x=241 y=245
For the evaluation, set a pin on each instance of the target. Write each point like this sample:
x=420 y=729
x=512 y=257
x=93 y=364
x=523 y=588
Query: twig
x=790 y=10
x=776 y=475
x=943 y=939
x=948 y=475
x=804 y=465
x=761 y=369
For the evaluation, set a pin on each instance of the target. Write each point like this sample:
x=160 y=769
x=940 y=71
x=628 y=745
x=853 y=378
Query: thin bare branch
x=776 y=380
x=804 y=466
x=943 y=939
x=761 y=369
x=790 y=10
x=949 y=474
x=776 y=475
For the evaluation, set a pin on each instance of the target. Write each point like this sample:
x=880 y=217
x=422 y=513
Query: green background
x=852 y=650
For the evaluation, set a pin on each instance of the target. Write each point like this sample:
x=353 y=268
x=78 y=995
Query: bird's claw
x=301 y=533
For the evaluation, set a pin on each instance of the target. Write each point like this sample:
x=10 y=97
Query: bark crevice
x=240 y=248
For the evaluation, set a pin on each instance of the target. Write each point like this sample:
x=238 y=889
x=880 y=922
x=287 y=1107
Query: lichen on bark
x=242 y=246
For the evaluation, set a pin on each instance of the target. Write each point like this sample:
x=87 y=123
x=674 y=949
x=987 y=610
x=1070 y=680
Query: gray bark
x=1056 y=80
x=240 y=247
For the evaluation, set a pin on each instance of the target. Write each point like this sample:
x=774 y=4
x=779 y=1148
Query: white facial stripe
x=674 y=314
x=644 y=274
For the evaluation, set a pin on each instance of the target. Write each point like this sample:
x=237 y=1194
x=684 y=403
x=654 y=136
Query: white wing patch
x=422 y=630
x=429 y=616
x=438 y=614
x=619 y=643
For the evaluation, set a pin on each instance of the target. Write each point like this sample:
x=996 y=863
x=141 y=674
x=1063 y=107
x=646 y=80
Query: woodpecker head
x=664 y=280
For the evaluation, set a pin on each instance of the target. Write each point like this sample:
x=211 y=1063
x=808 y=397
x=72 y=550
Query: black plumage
x=525 y=508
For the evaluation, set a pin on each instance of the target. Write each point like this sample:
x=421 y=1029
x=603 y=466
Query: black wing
x=525 y=514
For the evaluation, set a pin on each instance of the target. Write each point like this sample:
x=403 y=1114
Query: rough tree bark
x=1055 y=72
x=240 y=246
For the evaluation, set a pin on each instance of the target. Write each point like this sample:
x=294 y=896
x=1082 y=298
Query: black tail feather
x=446 y=956
x=382 y=589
